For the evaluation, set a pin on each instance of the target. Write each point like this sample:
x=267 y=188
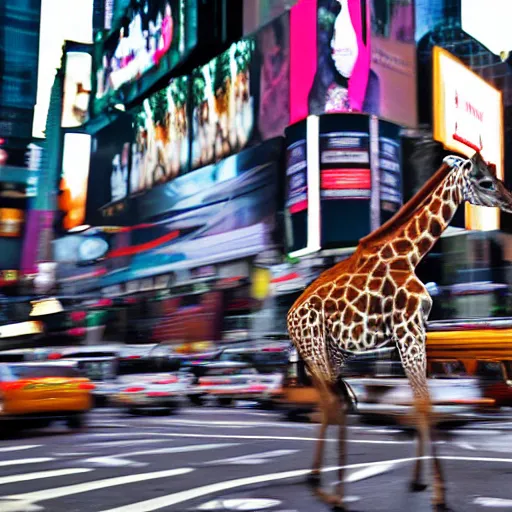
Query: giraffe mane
x=407 y=210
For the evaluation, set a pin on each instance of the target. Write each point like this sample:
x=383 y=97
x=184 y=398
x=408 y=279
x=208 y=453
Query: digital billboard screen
x=241 y=97
x=155 y=38
x=161 y=147
x=217 y=213
x=75 y=173
x=351 y=56
x=343 y=179
x=77 y=85
x=109 y=175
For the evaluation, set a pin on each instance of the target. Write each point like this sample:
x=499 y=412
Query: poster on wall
x=223 y=104
x=109 y=175
x=77 y=84
x=348 y=56
x=157 y=35
x=160 y=150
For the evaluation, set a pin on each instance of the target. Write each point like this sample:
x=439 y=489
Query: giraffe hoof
x=417 y=486
x=338 y=508
x=313 y=480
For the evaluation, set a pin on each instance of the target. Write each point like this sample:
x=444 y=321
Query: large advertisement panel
x=350 y=56
x=109 y=175
x=241 y=97
x=77 y=84
x=218 y=213
x=75 y=173
x=345 y=183
x=258 y=13
x=158 y=35
x=468 y=117
x=160 y=149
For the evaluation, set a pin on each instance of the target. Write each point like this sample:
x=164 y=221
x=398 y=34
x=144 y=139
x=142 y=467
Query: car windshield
x=35 y=372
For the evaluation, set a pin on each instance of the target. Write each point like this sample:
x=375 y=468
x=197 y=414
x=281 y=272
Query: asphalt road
x=238 y=459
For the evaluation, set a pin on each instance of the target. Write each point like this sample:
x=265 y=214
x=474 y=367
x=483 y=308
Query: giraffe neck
x=419 y=234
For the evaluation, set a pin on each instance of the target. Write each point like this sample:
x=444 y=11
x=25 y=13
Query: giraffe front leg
x=413 y=355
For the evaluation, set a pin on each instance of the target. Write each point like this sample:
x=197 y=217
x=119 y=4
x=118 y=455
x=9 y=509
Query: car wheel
x=77 y=421
x=196 y=399
x=225 y=401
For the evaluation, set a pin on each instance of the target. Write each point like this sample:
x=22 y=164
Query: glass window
x=35 y=372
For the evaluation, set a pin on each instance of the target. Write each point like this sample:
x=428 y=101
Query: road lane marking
x=229 y=423
x=493 y=502
x=279 y=438
x=239 y=505
x=18 y=506
x=190 y=494
x=121 y=459
x=42 y=474
x=68 y=490
x=103 y=444
x=22 y=447
x=17 y=462
x=368 y=472
x=254 y=458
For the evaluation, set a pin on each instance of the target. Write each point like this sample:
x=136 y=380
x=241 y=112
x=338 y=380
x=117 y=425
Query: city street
x=237 y=459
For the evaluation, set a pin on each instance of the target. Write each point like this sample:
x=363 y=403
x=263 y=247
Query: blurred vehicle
x=43 y=392
x=97 y=362
x=265 y=358
x=383 y=392
x=496 y=380
x=149 y=381
x=227 y=381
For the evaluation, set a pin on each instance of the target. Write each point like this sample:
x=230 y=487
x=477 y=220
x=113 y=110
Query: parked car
x=227 y=381
x=39 y=393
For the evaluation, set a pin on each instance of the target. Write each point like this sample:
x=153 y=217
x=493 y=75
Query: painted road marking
x=22 y=447
x=278 y=438
x=119 y=460
x=190 y=494
x=17 y=462
x=59 y=492
x=103 y=444
x=368 y=472
x=240 y=504
x=493 y=502
x=42 y=474
x=255 y=458
x=18 y=506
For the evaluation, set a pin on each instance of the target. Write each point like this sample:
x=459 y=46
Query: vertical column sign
x=345 y=178
x=302 y=212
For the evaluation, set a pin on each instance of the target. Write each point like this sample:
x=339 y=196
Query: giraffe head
x=482 y=186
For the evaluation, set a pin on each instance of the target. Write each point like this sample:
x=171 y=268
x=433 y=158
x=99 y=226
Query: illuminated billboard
x=77 y=85
x=468 y=117
x=53 y=34
x=75 y=173
x=352 y=56
x=343 y=180
x=155 y=36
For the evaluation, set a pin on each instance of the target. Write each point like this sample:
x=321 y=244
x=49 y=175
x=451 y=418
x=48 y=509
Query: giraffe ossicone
x=374 y=298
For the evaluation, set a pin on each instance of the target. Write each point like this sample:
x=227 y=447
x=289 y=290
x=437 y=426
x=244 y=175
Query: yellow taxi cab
x=39 y=393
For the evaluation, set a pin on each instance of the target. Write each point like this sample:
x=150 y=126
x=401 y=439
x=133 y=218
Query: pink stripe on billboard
x=303 y=56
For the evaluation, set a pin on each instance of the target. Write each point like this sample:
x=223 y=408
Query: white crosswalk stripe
x=59 y=492
x=40 y=475
x=18 y=448
x=16 y=462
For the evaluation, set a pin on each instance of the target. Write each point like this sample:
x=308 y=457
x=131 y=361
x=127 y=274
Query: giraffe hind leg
x=332 y=405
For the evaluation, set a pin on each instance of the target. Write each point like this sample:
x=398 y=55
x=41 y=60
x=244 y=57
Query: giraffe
x=374 y=299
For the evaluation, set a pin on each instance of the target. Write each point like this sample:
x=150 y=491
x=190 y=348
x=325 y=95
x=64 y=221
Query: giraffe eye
x=486 y=185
